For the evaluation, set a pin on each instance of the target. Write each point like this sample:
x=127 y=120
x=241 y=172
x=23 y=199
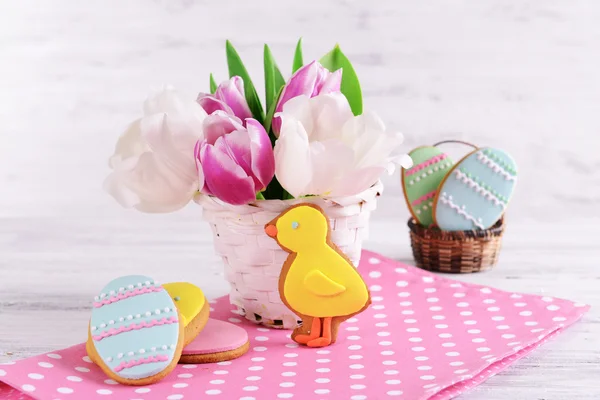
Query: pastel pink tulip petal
x=330 y=82
x=211 y=104
x=231 y=92
x=262 y=157
x=224 y=178
x=219 y=124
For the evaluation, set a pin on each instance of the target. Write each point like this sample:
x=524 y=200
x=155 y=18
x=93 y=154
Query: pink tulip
x=311 y=80
x=237 y=161
x=229 y=97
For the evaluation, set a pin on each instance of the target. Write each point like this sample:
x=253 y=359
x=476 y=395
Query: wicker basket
x=253 y=261
x=456 y=252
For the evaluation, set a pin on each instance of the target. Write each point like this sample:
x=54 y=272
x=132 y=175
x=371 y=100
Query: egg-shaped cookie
x=136 y=332
x=192 y=305
x=476 y=192
x=421 y=182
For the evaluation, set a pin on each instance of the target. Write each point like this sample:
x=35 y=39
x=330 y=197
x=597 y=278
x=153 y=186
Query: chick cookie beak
x=271 y=230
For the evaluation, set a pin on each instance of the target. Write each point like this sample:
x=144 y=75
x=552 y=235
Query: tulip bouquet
x=244 y=165
x=313 y=140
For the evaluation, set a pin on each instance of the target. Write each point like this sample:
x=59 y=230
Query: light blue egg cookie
x=476 y=192
x=135 y=327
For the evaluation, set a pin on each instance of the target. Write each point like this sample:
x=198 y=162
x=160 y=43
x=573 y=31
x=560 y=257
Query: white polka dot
x=503 y=327
x=387 y=353
x=474 y=331
x=402 y=284
x=483 y=349
x=261 y=338
x=430 y=290
x=410 y=321
x=287 y=384
x=375 y=274
x=374 y=260
x=82 y=369
x=36 y=376
x=508 y=336
x=74 y=378
x=441 y=326
x=439 y=317
x=461 y=371
x=212 y=392
x=375 y=288
x=111 y=382
x=224 y=363
x=355 y=347
x=357 y=376
x=377 y=298
x=354 y=337
x=260 y=348
x=448 y=344
x=427 y=377
x=395 y=393
x=221 y=372
x=285 y=396
x=250 y=388
x=105 y=391
x=462 y=304
x=418 y=349
x=287 y=373
x=28 y=388
x=357 y=366
x=531 y=323
x=390 y=362
x=435 y=308
x=290 y=355
x=323 y=360
x=433 y=300
x=525 y=313
x=404 y=294
x=408 y=312
x=559 y=319
x=456 y=363
x=478 y=340
x=323 y=370
x=428 y=279
x=142 y=390
x=45 y=364
x=64 y=390
x=413 y=330
x=385 y=343
x=189 y=366
x=406 y=303
x=393 y=382
x=424 y=368
x=217 y=382
x=470 y=322
x=256 y=368
x=485 y=290
x=378 y=307
x=459 y=295
x=322 y=391
x=520 y=304
x=489 y=301
x=288 y=364
x=258 y=359
x=445 y=335
x=381 y=324
x=357 y=387
x=180 y=385
x=54 y=356
x=358 y=397
x=292 y=345
x=453 y=354
x=553 y=307
x=466 y=313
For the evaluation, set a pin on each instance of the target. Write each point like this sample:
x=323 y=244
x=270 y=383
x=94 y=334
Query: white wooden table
x=521 y=75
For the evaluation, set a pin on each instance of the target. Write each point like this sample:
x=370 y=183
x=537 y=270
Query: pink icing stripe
x=122 y=296
x=423 y=198
x=140 y=361
x=134 y=327
x=425 y=164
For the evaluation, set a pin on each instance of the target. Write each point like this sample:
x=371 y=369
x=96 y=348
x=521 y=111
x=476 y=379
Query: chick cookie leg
x=315 y=332
x=325 y=339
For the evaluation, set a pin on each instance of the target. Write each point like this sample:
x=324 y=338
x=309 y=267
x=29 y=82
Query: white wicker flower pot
x=253 y=261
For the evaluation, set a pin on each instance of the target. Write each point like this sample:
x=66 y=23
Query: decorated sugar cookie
x=476 y=192
x=420 y=183
x=135 y=333
x=317 y=281
x=218 y=341
x=192 y=305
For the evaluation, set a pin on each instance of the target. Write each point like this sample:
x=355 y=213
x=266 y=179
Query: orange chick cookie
x=317 y=281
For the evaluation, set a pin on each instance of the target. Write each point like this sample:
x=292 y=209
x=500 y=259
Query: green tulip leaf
x=335 y=60
x=213 y=84
x=273 y=79
x=237 y=68
x=298 y=61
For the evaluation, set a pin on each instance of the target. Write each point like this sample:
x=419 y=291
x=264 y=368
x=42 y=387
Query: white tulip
x=323 y=149
x=154 y=169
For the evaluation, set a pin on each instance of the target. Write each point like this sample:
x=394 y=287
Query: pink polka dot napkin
x=424 y=337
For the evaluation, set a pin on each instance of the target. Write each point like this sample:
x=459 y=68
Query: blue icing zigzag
x=476 y=192
x=136 y=335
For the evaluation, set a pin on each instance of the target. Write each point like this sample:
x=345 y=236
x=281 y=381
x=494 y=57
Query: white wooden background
x=519 y=74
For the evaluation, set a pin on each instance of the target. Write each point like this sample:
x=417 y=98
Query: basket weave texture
x=455 y=252
x=253 y=261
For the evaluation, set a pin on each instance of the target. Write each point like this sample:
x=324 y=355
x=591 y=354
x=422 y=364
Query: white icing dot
x=157 y=311
x=130 y=317
x=148 y=313
x=164 y=347
x=147 y=283
x=109 y=359
x=142 y=351
x=103 y=325
x=138 y=315
x=167 y=309
x=121 y=289
x=120 y=355
x=130 y=286
x=130 y=353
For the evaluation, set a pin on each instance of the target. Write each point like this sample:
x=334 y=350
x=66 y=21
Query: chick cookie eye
x=295 y=225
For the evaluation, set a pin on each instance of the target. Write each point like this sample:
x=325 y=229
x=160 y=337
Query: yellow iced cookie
x=192 y=306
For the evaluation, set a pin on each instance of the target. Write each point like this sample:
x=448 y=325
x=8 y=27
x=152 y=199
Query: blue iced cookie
x=476 y=192
x=136 y=333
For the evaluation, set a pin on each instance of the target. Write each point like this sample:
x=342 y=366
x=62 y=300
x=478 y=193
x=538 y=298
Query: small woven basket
x=253 y=261
x=455 y=252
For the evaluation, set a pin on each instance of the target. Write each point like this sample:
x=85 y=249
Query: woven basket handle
x=456 y=141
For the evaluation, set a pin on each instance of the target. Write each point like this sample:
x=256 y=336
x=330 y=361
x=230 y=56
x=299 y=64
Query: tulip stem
x=259 y=196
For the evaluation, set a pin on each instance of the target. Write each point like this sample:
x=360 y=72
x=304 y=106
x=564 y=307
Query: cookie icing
x=217 y=336
x=137 y=335
x=188 y=298
x=476 y=192
x=420 y=183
